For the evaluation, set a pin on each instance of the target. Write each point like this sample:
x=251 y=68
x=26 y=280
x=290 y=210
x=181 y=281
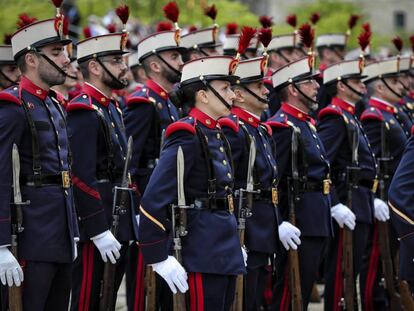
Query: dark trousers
x=373 y=293
x=134 y=273
x=88 y=274
x=333 y=273
x=211 y=292
x=46 y=286
x=254 y=285
x=311 y=253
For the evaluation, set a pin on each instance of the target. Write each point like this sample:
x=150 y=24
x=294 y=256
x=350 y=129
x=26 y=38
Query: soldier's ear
x=31 y=60
x=94 y=68
x=155 y=66
x=292 y=90
x=202 y=97
x=239 y=95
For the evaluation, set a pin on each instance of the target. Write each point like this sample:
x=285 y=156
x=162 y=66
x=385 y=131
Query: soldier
x=139 y=77
x=147 y=115
x=9 y=72
x=400 y=197
x=32 y=119
x=297 y=87
x=211 y=253
x=231 y=43
x=98 y=167
x=241 y=128
x=337 y=128
x=387 y=139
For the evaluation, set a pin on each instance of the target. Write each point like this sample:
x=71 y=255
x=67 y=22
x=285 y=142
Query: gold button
x=39 y=92
x=300 y=115
x=113 y=125
x=250 y=119
x=228 y=175
x=218 y=136
x=224 y=162
x=59 y=147
x=61 y=162
x=172 y=118
x=317 y=146
x=163 y=94
x=103 y=99
x=226 y=188
x=221 y=149
x=208 y=122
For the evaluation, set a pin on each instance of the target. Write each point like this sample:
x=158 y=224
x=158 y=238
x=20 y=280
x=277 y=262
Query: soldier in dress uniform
x=400 y=198
x=9 y=72
x=241 y=128
x=386 y=135
x=336 y=127
x=297 y=87
x=231 y=43
x=31 y=118
x=147 y=115
x=139 y=77
x=98 y=167
x=211 y=252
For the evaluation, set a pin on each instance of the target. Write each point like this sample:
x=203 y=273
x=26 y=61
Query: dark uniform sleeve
x=83 y=128
x=12 y=124
x=237 y=144
x=138 y=119
x=155 y=227
x=332 y=132
x=282 y=138
x=372 y=129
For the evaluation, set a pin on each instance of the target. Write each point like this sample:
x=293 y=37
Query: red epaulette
x=230 y=123
x=267 y=127
x=330 y=110
x=277 y=124
x=80 y=102
x=9 y=96
x=372 y=113
x=412 y=130
x=137 y=100
x=180 y=126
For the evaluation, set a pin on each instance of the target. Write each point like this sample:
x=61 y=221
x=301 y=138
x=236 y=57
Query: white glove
x=289 y=235
x=108 y=246
x=343 y=216
x=173 y=273
x=244 y=252
x=10 y=271
x=381 y=210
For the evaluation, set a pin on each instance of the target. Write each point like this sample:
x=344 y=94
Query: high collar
x=203 y=118
x=246 y=116
x=154 y=86
x=411 y=94
x=29 y=86
x=297 y=113
x=92 y=91
x=381 y=105
x=344 y=105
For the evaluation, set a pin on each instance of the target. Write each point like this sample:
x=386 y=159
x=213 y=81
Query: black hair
x=185 y=95
x=283 y=93
x=83 y=67
x=332 y=88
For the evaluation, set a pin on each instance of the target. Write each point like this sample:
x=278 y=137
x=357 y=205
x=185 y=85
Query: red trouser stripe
x=191 y=283
x=338 y=290
x=196 y=292
x=139 y=284
x=285 y=302
x=372 y=271
x=87 y=270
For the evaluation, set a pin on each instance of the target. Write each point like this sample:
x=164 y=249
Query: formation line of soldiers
x=218 y=182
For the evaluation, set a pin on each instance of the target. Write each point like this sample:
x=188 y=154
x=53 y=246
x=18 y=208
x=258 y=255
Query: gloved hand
x=108 y=246
x=244 y=252
x=10 y=271
x=289 y=235
x=343 y=216
x=381 y=210
x=173 y=273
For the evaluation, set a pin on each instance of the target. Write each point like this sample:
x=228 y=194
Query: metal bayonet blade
x=125 y=176
x=180 y=177
x=250 y=165
x=16 y=175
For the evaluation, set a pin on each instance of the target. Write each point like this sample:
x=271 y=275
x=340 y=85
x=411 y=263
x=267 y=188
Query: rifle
x=244 y=212
x=121 y=204
x=293 y=186
x=179 y=303
x=352 y=173
x=150 y=287
x=390 y=279
x=15 y=292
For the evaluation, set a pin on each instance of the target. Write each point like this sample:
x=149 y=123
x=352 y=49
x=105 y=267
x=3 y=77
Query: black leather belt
x=370 y=184
x=268 y=195
x=62 y=179
x=310 y=186
x=219 y=204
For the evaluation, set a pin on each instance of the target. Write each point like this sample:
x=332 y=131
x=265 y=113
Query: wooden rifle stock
x=15 y=292
x=150 y=289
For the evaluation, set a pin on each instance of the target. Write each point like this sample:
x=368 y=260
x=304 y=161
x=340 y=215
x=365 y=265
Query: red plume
x=7 y=38
x=412 y=42
x=123 y=13
x=25 y=20
x=353 y=19
x=292 y=20
x=266 y=21
x=211 y=11
x=307 y=35
x=171 y=11
x=246 y=35
x=265 y=36
x=87 y=32
x=366 y=27
x=65 y=28
x=57 y=3
x=364 y=39
x=192 y=28
x=111 y=28
x=398 y=43
x=164 y=26
x=231 y=28
x=314 y=18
